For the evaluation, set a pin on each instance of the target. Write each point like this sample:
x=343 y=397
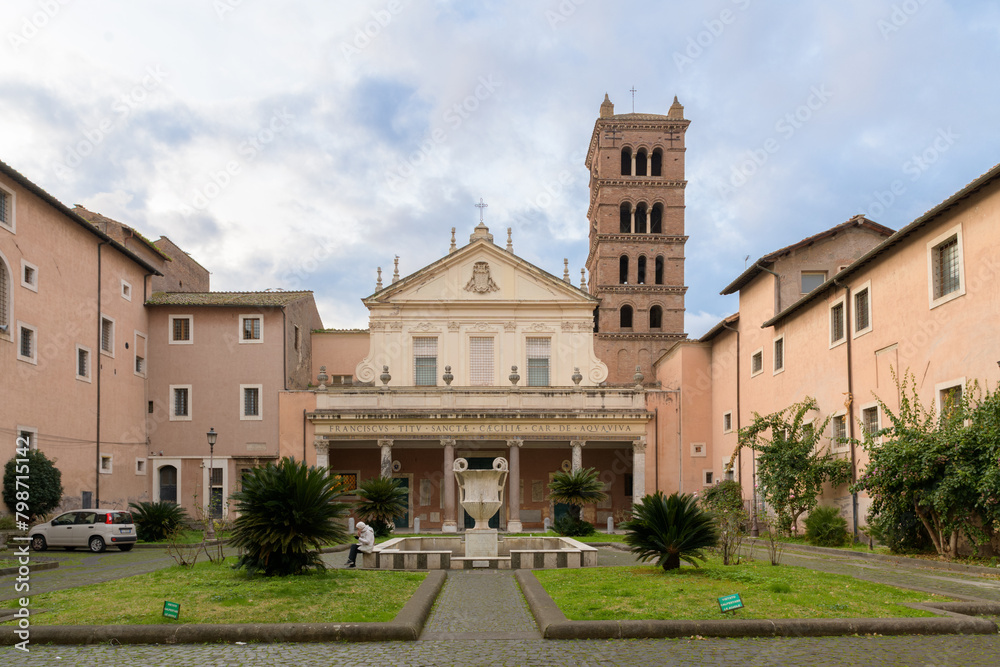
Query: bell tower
x=636 y=216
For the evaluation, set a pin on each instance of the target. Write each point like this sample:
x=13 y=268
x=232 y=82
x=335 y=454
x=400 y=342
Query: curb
x=553 y=624
x=34 y=567
x=407 y=625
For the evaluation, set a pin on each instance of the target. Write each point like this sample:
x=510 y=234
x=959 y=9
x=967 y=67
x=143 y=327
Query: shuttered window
x=481 y=372
x=539 y=355
x=425 y=362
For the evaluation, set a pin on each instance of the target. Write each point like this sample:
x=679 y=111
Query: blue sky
x=302 y=145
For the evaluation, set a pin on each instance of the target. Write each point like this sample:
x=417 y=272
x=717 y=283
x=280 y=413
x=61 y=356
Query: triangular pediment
x=480 y=273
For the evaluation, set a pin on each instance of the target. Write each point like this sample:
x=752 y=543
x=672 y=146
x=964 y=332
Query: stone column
x=514 y=488
x=632 y=221
x=322 y=453
x=577 y=459
x=633 y=165
x=449 y=525
x=638 y=469
x=649 y=164
x=385 y=468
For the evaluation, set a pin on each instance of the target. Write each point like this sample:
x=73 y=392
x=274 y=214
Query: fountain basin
x=449 y=553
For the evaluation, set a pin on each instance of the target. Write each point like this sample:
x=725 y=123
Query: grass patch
x=211 y=593
x=647 y=592
x=854 y=546
x=189 y=537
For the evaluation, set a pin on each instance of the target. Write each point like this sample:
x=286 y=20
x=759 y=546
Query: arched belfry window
x=656 y=219
x=640 y=218
x=625 y=317
x=656 y=164
x=623 y=270
x=655 y=317
x=640 y=267
x=625 y=218
x=658 y=271
x=626 y=161
x=640 y=162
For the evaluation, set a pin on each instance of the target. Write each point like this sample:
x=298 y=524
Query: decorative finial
x=323 y=378
x=453 y=247
x=385 y=377
x=607 y=108
x=510 y=240
x=565 y=269
x=577 y=377
x=676 y=109
x=395 y=271
x=583 y=279
x=448 y=377
x=378 y=283
x=638 y=377
x=514 y=377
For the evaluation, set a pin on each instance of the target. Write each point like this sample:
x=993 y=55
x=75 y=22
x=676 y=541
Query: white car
x=94 y=529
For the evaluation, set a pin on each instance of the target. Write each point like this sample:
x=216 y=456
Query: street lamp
x=212 y=436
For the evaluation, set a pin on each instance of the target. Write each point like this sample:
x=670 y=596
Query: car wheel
x=38 y=543
x=96 y=544
x=125 y=547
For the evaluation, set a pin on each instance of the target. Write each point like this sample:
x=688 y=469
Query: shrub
x=576 y=489
x=46 y=483
x=826 y=528
x=382 y=499
x=670 y=530
x=568 y=526
x=287 y=513
x=726 y=496
x=155 y=521
x=901 y=532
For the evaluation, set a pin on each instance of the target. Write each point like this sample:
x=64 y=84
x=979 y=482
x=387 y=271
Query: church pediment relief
x=481 y=281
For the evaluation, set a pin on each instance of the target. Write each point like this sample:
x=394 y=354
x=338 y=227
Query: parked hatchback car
x=95 y=529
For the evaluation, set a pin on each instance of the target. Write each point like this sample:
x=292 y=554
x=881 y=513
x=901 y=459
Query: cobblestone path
x=484 y=604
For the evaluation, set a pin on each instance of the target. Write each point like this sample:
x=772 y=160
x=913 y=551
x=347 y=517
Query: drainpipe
x=304 y=420
x=777 y=288
x=680 y=446
x=284 y=351
x=100 y=332
x=850 y=404
x=754 y=528
x=656 y=459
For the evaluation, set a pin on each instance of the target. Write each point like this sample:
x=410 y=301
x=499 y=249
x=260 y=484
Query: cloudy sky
x=300 y=145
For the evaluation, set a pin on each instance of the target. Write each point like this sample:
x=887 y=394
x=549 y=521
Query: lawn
x=648 y=592
x=190 y=537
x=210 y=593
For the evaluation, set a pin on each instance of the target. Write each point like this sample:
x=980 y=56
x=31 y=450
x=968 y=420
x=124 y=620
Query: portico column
x=577 y=458
x=449 y=525
x=638 y=469
x=514 y=492
x=385 y=468
x=322 y=453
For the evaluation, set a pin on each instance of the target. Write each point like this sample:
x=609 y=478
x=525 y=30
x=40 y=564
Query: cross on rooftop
x=633 y=91
x=481 y=205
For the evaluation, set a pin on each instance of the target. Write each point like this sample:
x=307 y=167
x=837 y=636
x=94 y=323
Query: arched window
x=640 y=218
x=656 y=219
x=626 y=317
x=640 y=266
x=625 y=218
x=626 y=162
x=168 y=484
x=656 y=166
x=4 y=297
x=655 y=317
x=623 y=270
x=658 y=271
x=640 y=162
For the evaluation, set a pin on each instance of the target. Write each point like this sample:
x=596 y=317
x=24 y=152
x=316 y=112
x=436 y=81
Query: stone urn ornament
x=481 y=491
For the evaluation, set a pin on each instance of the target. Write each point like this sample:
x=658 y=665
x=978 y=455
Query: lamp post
x=210 y=527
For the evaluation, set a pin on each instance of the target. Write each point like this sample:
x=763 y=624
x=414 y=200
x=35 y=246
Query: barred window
x=107 y=335
x=839 y=430
x=425 y=362
x=251 y=402
x=539 y=354
x=27 y=343
x=4 y=297
x=757 y=362
x=181 y=330
x=181 y=402
x=82 y=363
x=947 y=278
x=5 y=212
x=869 y=420
x=251 y=328
x=481 y=372
x=779 y=355
x=836 y=323
x=862 y=310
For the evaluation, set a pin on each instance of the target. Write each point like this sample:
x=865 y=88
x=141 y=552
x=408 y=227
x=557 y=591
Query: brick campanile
x=636 y=215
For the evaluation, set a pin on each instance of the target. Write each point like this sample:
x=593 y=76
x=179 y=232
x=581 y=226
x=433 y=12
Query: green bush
x=381 y=500
x=902 y=533
x=576 y=489
x=45 y=479
x=154 y=522
x=724 y=497
x=670 y=530
x=826 y=528
x=287 y=513
x=569 y=526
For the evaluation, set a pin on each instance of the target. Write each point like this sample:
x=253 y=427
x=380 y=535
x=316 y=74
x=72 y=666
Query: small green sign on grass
x=173 y=609
x=730 y=602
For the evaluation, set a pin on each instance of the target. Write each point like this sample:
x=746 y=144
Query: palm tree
x=670 y=530
x=576 y=489
x=287 y=512
x=156 y=521
x=382 y=499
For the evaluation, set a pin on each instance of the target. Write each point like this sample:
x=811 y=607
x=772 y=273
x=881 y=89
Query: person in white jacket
x=366 y=542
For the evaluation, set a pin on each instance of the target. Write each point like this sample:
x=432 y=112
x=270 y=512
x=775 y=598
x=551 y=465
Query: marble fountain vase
x=481 y=494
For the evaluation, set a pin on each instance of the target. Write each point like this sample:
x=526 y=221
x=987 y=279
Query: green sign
x=173 y=609
x=730 y=602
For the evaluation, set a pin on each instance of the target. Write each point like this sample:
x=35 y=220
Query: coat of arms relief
x=481 y=282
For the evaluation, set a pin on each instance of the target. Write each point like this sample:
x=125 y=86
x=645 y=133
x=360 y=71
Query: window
x=7 y=209
x=126 y=290
x=757 y=362
x=623 y=270
x=140 y=466
x=106 y=468
x=708 y=477
x=862 y=315
x=626 y=162
x=655 y=317
x=640 y=162
x=27 y=343
x=869 y=420
x=779 y=354
x=625 y=218
x=640 y=218
x=180 y=402
x=107 y=335
x=27 y=437
x=4 y=299
x=481 y=361
x=945 y=267
x=82 y=363
x=29 y=276
x=727 y=422
x=348 y=480
x=181 y=329
x=658 y=271
x=811 y=280
x=250 y=331
x=250 y=407
x=640 y=267
x=539 y=353
x=625 y=317
x=297 y=341
x=139 y=348
x=656 y=162
x=838 y=431
x=837 y=323
x=425 y=362
x=949 y=395
x=699 y=449
x=656 y=219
